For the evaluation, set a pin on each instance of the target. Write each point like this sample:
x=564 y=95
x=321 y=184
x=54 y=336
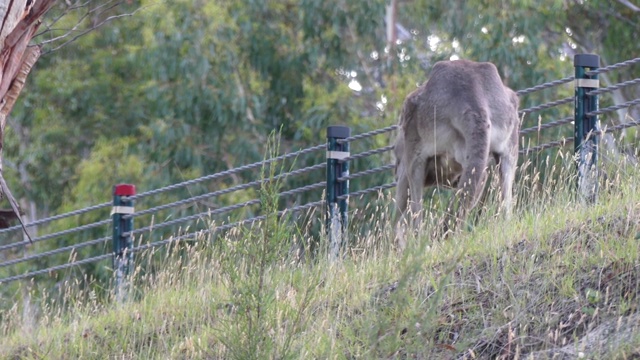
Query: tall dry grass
x=557 y=280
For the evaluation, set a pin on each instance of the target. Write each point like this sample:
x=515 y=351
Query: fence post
x=337 y=218
x=586 y=126
x=122 y=238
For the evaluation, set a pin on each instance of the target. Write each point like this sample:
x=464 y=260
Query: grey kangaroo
x=447 y=129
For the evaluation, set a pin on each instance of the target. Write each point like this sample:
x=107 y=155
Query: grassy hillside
x=560 y=280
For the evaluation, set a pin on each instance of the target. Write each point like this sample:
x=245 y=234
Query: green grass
x=560 y=279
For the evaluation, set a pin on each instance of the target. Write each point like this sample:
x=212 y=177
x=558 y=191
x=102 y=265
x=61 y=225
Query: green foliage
x=189 y=88
x=551 y=280
x=200 y=84
x=110 y=162
x=247 y=262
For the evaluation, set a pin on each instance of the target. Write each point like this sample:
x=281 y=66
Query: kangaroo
x=448 y=128
x=440 y=170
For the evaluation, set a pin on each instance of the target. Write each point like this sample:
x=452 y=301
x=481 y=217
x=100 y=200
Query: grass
x=559 y=280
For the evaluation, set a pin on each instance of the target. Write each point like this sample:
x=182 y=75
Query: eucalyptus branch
x=72 y=8
x=75 y=32
x=629 y=5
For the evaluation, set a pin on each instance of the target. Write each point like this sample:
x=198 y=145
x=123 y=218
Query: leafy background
x=185 y=88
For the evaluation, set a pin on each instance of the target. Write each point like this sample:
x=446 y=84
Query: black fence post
x=122 y=238
x=587 y=128
x=337 y=217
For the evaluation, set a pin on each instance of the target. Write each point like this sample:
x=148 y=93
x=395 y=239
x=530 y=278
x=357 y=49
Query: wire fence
x=162 y=218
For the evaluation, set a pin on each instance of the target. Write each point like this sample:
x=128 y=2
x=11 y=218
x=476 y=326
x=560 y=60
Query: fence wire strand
x=366 y=172
x=365 y=154
x=255 y=165
x=225 y=191
x=548 y=145
x=544 y=86
x=223 y=210
x=55 y=268
x=614 y=87
x=156 y=243
x=202 y=215
x=56 y=234
x=610 y=129
x=547 y=105
x=171 y=187
x=55 y=251
x=548 y=125
x=318 y=185
x=221 y=228
x=614 y=67
x=614 y=108
x=57 y=217
x=367 y=191
x=315 y=186
x=367 y=134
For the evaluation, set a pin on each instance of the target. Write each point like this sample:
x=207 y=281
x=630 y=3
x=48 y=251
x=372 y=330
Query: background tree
x=21 y=20
x=187 y=88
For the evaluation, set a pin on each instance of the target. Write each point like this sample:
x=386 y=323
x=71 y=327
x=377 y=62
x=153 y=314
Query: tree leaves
x=194 y=87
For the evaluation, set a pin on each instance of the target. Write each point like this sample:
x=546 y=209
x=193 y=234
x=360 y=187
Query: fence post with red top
x=122 y=238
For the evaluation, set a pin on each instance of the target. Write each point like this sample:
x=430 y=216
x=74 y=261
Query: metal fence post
x=337 y=217
x=122 y=238
x=586 y=127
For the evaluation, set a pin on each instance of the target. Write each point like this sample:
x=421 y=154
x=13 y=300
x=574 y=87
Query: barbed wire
x=569 y=140
x=279 y=213
x=230 y=171
x=154 y=244
x=544 y=86
x=226 y=209
x=547 y=105
x=171 y=187
x=57 y=217
x=367 y=134
x=368 y=153
x=613 y=67
x=614 y=108
x=366 y=172
x=56 y=234
x=238 y=223
x=170 y=240
x=551 y=124
x=306 y=206
x=366 y=191
x=198 y=216
x=610 y=129
x=224 y=191
x=55 y=251
x=548 y=145
x=222 y=228
x=571 y=78
x=55 y=268
x=614 y=87
x=319 y=185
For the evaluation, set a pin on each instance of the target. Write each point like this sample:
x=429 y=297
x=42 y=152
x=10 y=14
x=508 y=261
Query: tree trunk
x=392 y=36
x=20 y=21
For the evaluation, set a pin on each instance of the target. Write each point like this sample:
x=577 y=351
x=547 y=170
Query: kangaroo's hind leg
x=474 y=160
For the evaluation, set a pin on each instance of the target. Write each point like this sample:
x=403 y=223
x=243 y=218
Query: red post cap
x=124 y=190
